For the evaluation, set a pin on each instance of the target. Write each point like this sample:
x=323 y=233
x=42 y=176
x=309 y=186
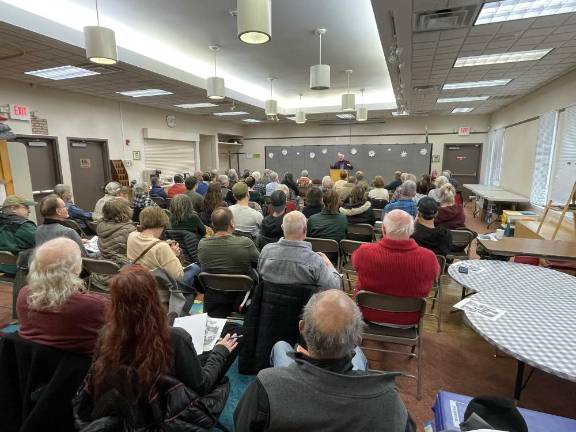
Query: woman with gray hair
x=259 y=183
x=450 y=215
x=54 y=309
x=111 y=190
x=233 y=177
x=327 y=183
x=141 y=199
x=438 y=183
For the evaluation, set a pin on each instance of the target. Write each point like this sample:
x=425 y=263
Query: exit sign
x=464 y=131
x=19 y=112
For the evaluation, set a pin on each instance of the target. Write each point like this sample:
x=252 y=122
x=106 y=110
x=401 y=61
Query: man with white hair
x=395 y=266
x=292 y=261
x=327 y=183
x=406 y=193
x=325 y=386
x=111 y=190
x=273 y=184
x=76 y=213
x=54 y=309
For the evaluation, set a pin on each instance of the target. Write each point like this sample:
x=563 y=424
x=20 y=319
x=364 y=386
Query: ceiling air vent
x=426 y=89
x=101 y=69
x=445 y=19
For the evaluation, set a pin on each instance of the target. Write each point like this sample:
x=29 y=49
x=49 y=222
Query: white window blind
x=564 y=171
x=493 y=158
x=547 y=127
x=170 y=157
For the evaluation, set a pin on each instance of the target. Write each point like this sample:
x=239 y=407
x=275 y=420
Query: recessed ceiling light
x=345 y=116
x=475 y=84
x=462 y=99
x=196 y=105
x=145 y=93
x=62 y=73
x=509 y=10
x=231 y=113
x=252 y=121
x=461 y=110
x=508 y=57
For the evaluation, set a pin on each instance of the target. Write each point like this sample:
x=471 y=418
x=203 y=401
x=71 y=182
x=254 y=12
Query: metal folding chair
x=461 y=239
x=436 y=294
x=408 y=337
x=326 y=246
x=377 y=214
x=98 y=266
x=161 y=202
x=347 y=248
x=227 y=283
x=361 y=232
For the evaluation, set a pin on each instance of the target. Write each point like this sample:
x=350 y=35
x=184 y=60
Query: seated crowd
x=254 y=225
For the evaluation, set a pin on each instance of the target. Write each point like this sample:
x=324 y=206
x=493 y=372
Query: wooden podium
x=335 y=174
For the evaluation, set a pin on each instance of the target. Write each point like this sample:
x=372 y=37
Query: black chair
x=461 y=244
x=102 y=267
x=436 y=294
x=225 y=292
x=347 y=248
x=161 y=202
x=361 y=232
x=326 y=246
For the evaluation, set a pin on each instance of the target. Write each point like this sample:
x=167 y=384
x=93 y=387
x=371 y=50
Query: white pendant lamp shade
x=320 y=77
x=100 y=43
x=215 y=88
x=362 y=114
x=348 y=102
x=271 y=107
x=254 y=21
x=300 y=117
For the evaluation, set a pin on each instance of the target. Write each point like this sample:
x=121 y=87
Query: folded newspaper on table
x=472 y=306
x=205 y=331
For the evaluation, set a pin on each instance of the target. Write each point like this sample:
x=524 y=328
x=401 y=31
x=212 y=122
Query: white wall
x=76 y=115
x=394 y=131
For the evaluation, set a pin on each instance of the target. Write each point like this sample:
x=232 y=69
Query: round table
x=539 y=326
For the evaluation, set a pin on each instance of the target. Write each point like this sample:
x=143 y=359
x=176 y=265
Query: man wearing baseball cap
x=17 y=232
x=271 y=230
x=437 y=239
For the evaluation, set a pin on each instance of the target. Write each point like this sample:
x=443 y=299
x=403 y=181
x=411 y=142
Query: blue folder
x=449 y=411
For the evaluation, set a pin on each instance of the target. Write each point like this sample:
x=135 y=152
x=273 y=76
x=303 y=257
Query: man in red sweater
x=395 y=266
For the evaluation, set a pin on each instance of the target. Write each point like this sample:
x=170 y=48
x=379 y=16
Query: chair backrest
x=377 y=213
x=100 y=266
x=8 y=258
x=243 y=234
x=387 y=303
x=462 y=239
x=361 y=232
x=159 y=201
x=442 y=263
x=347 y=247
x=323 y=245
x=226 y=282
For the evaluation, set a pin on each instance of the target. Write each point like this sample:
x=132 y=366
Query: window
x=493 y=158
x=564 y=170
x=547 y=127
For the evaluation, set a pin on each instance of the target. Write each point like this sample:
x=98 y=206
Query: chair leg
x=419 y=370
x=439 y=329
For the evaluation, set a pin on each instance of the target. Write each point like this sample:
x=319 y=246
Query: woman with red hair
x=136 y=347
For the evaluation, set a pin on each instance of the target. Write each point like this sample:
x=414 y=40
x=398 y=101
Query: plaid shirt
x=406 y=204
x=260 y=187
x=141 y=201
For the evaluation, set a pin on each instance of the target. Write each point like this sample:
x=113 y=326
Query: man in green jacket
x=17 y=232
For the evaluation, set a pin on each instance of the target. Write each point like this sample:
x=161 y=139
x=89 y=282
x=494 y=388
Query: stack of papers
x=92 y=245
x=204 y=330
x=486 y=311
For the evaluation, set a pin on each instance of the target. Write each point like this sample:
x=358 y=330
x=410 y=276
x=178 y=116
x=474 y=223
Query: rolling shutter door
x=170 y=157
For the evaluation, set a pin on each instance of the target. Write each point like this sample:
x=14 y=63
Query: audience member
x=273 y=184
x=75 y=212
x=304 y=180
x=202 y=181
x=293 y=188
x=438 y=183
x=225 y=192
x=327 y=183
x=177 y=188
x=183 y=216
x=451 y=179
x=425 y=184
x=113 y=231
x=357 y=210
x=212 y=200
x=395 y=266
x=197 y=199
x=406 y=192
x=157 y=190
x=313 y=202
x=272 y=224
x=340 y=183
x=140 y=200
x=450 y=215
x=421 y=191
x=394 y=183
x=346 y=189
x=361 y=181
x=247 y=219
x=225 y=253
x=55 y=213
x=254 y=195
x=292 y=261
x=146 y=248
x=233 y=177
x=136 y=349
x=259 y=183
x=325 y=386
x=379 y=193
x=290 y=204
x=54 y=309
x=329 y=223
x=408 y=176
x=111 y=190
x=17 y=232
x=437 y=239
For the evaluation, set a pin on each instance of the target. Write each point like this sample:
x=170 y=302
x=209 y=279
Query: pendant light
x=254 y=21
x=100 y=43
x=348 y=99
x=300 y=115
x=362 y=112
x=215 y=85
x=320 y=73
x=271 y=105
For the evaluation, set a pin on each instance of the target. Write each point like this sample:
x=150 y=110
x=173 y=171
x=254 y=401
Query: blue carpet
x=238 y=384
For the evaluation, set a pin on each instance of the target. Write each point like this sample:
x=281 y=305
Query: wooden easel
x=570 y=207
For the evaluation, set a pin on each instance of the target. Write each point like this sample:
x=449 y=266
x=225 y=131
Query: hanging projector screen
x=372 y=159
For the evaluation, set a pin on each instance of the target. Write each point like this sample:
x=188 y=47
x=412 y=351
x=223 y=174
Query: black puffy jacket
x=188 y=242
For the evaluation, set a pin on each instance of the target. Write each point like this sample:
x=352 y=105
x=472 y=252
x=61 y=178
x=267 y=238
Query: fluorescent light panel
x=145 y=93
x=231 y=113
x=461 y=110
x=462 y=99
x=252 y=121
x=345 y=116
x=62 y=73
x=509 y=10
x=196 y=105
x=400 y=113
x=509 y=57
x=476 y=84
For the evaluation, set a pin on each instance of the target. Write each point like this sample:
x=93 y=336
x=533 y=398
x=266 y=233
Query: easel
x=570 y=207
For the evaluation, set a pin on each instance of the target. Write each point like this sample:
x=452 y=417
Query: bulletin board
x=372 y=159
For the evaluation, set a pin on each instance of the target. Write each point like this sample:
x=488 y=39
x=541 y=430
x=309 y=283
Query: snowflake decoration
x=297 y=153
x=389 y=149
x=404 y=154
x=271 y=155
x=312 y=155
x=353 y=151
x=324 y=151
x=371 y=153
x=284 y=152
x=423 y=152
